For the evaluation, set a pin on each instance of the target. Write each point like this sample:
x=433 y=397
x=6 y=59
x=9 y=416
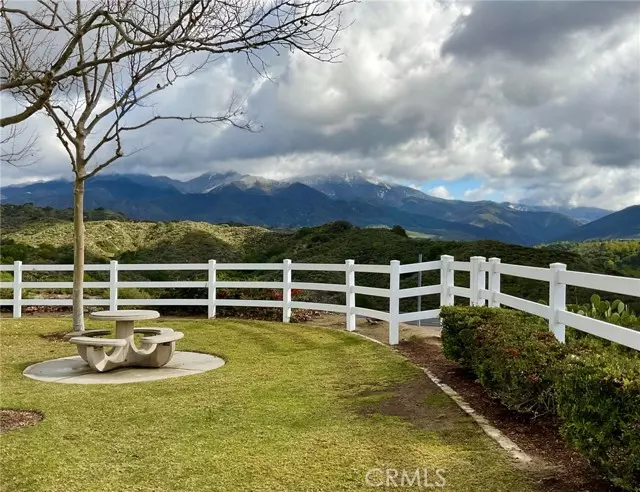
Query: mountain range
x=624 y=224
x=312 y=200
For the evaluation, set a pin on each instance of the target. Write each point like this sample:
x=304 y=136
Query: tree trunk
x=78 y=254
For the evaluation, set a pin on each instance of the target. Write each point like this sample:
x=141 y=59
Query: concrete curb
x=503 y=441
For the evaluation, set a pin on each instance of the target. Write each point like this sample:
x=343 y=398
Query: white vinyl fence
x=484 y=289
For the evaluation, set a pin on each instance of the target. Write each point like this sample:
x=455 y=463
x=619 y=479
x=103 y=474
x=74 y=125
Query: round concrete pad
x=73 y=370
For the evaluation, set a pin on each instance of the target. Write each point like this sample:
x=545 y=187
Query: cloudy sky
x=513 y=100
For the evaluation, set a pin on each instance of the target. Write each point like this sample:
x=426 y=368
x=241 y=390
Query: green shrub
x=458 y=337
x=130 y=293
x=513 y=354
x=6 y=293
x=599 y=405
x=337 y=226
x=302 y=232
x=591 y=384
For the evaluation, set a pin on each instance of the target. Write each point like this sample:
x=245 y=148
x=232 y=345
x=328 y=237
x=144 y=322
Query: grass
x=294 y=409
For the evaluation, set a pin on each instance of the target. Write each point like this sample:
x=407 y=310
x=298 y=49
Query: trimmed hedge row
x=513 y=354
x=598 y=401
x=593 y=386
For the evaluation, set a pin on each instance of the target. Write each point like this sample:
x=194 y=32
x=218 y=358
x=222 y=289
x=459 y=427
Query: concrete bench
x=92 y=350
x=168 y=337
x=99 y=342
x=87 y=333
x=153 y=331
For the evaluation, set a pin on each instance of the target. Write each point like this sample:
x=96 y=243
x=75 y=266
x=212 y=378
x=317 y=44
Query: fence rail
x=483 y=289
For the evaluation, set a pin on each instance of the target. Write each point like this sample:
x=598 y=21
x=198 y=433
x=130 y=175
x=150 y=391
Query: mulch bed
x=11 y=419
x=563 y=469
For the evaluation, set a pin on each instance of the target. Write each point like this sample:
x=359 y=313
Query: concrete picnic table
x=156 y=348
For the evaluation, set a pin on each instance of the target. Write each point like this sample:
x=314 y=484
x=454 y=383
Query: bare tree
x=89 y=65
x=16 y=147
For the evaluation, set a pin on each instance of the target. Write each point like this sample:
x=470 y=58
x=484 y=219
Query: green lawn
x=295 y=408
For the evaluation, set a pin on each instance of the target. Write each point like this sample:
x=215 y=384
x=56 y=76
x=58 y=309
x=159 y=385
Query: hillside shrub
x=593 y=386
x=399 y=230
x=6 y=293
x=302 y=232
x=337 y=226
x=320 y=238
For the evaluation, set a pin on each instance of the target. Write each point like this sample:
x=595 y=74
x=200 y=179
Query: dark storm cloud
x=557 y=119
x=530 y=30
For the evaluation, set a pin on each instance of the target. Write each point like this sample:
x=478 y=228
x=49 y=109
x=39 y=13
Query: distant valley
x=311 y=201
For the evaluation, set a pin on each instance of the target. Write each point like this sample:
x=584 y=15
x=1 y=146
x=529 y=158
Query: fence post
x=351 y=295
x=557 y=300
x=394 y=303
x=286 y=291
x=446 y=280
x=211 y=286
x=17 y=289
x=478 y=281
x=420 y=285
x=494 y=281
x=113 y=285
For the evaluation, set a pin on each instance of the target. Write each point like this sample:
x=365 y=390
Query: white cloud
x=476 y=194
x=440 y=192
x=537 y=136
x=559 y=123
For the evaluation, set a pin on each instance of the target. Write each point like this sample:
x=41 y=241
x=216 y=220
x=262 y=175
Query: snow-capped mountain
x=210 y=182
x=248 y=182
x=362 y=187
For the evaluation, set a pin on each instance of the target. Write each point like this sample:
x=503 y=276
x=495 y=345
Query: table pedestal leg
x=124 y=329
x=145 y=356
x=102 y=362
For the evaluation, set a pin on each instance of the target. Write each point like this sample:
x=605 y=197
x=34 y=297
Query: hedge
x=591 y=385
x=513 y=354
x=598 y=400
